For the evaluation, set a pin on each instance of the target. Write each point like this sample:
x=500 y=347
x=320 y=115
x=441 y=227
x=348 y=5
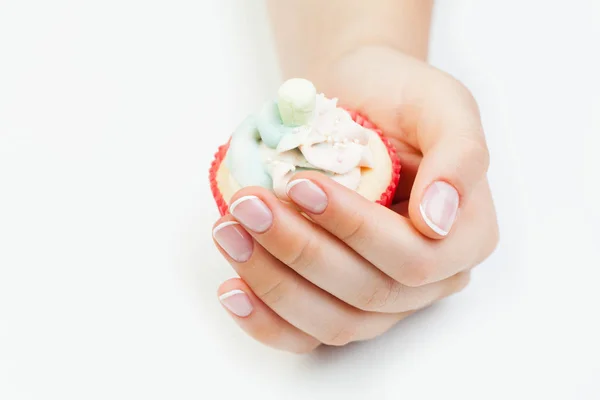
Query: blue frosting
x=243 y=156
x=270 y=126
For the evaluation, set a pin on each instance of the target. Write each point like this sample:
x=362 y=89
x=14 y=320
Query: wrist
x=360 y=68
x=312 y=34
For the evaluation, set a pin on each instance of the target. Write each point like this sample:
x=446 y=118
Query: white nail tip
x=224 y=225
x=229 y=294
x=294 y=183
x=430 y=223
x=239 y=201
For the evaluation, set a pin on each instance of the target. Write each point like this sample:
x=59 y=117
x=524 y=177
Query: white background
x=110 y=112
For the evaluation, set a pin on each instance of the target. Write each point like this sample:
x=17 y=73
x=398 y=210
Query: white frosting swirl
x=328 y=140
x=331 y=142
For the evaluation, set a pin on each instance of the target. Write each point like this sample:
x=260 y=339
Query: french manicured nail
x=439 y=207
x=234 y=240
x=237 y=302
x=252 y=212
x=307 y=195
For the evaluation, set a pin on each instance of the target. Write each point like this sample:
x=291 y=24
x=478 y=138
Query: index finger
x=386 y=239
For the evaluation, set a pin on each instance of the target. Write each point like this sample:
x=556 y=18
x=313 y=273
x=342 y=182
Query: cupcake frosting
x=301 y=130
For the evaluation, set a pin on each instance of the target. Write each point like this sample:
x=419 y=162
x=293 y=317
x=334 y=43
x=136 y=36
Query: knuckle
x=462 y=93
x=418 y=298
x=476 y=153
x=472 y=161
x=466 y=94
x=352 y=231
x=302 y=255
x=275 y=292
x=417 y=272
x=469 y=131
x=380 y=297
x=340 y=336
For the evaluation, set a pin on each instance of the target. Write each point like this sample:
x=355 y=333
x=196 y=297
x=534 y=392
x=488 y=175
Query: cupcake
x=302 y=131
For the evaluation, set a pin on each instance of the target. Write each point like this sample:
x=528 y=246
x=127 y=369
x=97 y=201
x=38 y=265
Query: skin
x=359 y=268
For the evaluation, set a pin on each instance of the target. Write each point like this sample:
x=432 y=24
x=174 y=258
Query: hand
x=358 y=268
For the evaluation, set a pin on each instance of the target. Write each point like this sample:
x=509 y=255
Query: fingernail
x=252 y=212
x=237 y=302
x=439 y=207
x=234 y=240
x=307 y=195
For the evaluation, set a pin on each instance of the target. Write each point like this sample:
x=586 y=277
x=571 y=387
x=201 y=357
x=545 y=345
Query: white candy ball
x=296 y=101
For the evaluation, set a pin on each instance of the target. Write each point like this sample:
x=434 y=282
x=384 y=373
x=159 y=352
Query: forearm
x=311 y=34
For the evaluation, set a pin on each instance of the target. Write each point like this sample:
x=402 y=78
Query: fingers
x=296 y=300
x=431 y=112
x=314 y=254
x=389 y=241
x=449 y=133
x=259 y=321
x=323 y=259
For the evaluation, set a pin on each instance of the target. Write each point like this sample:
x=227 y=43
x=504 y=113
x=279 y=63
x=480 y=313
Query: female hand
x=358 y=268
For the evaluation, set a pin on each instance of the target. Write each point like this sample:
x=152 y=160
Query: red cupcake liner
x=212 y=176
x=386 y=197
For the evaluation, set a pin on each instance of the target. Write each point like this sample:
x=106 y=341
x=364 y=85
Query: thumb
x=455 y=160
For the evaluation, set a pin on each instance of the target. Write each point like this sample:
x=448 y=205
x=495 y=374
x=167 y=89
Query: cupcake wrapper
x=386 y=197
x=212 y=176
